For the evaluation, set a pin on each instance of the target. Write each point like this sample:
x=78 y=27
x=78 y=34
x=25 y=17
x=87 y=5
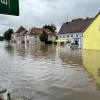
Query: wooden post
x=3 y=94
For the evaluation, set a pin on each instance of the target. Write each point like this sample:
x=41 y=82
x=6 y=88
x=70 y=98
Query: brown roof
x=21 y=31
x=38 y=31
x=35 y=31
x=76 y=25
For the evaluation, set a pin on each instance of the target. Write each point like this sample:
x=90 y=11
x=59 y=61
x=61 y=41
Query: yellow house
x=91 y=36
x=91 y=62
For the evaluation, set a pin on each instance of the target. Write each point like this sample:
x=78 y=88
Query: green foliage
x=51 y=27
x=1 y=38
x=44 y=37
x=7 y=34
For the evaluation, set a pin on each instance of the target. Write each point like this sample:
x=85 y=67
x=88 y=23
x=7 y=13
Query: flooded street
x=41 y=72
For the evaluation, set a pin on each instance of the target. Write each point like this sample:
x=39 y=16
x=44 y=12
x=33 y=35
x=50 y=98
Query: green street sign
x=10 y=7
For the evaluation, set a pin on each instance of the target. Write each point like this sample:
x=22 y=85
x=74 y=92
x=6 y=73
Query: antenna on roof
x=67 y=18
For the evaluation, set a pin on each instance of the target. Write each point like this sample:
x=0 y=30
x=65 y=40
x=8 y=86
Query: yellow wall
x=91 y=61
x=91 y=37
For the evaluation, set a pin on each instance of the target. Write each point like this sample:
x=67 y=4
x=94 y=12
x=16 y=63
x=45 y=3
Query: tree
x=44 y=37
x=51 y=27
x=1 y=38
x=7 y=34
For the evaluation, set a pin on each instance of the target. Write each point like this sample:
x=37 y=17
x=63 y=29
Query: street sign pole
x=10 y=7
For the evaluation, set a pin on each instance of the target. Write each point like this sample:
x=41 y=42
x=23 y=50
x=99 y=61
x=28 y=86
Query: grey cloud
x=39 y=12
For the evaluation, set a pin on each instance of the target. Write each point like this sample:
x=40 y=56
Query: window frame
x=77 y=35
x=67 y=35
x=71 y=35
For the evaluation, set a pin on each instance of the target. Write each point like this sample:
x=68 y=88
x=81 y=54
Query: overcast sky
x=36 y=13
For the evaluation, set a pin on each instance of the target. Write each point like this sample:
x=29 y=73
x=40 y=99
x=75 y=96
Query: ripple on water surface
x=42 y=72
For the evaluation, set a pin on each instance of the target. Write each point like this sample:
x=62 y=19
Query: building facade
x=19 y=35
x=31 y=36
x=91 y=36
x=72 y=32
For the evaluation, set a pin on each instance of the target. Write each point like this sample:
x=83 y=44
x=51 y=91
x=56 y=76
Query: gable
x=94 y=27
x=91 y=36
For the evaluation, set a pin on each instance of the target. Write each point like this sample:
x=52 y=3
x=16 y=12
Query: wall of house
x=25 y=38
x=51 y=37
x=18 y=40
x=62 y=36
x=32 y=39
x=91 y=37
x=12 y=38
x=71 y=37
x=91 y=62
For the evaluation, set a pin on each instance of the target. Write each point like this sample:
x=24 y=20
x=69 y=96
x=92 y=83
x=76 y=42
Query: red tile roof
x=21 y=31
x=38 y=31
x=34 y=31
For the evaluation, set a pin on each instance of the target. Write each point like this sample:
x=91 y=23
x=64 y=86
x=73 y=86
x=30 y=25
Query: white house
x=72 y=32
x=19 y=35
x=33 y=35
x=51 y=36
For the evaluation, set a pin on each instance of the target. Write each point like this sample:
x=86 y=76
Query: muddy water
x=41 y=72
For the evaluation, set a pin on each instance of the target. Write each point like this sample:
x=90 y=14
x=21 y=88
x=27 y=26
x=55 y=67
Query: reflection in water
x=72 y=57
x=43 y=72
x=91 y=61
x=34 y=50
x=9 y=48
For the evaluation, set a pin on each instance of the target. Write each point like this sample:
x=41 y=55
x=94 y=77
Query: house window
x=76 y=35
x=50 y=36
x=35 y=36
x=72 y=35
x=4 y=1
x=63 y=36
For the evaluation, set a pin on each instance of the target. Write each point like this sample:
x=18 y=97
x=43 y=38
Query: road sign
x=10 y=7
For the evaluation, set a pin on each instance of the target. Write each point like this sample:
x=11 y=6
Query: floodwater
x=49 y=72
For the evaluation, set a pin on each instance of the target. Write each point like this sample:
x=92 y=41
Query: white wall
x=32 y=39
x=71 y=37
x=51 y=38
